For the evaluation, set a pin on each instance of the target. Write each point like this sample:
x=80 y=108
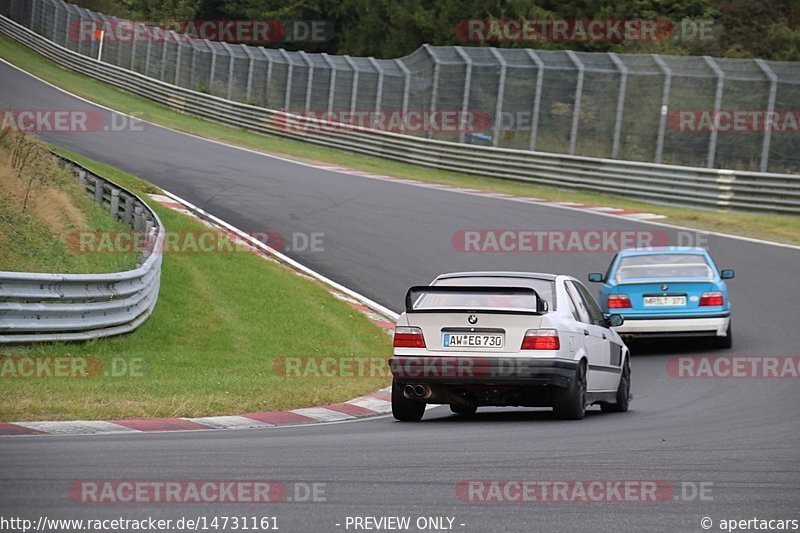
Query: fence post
x=354 y=91
x=137 y=217
x=773 y=91
x=712 y=142
x=193 y=66
x=662 y=120
x=229 y=51
x=55 y=20
x=165 y=36
x=66 y=28
x=114 y=208
x=98 y=190
x=133 y=46
x=379 y=90
x=289 y=75
x=128 y=216
x=33 y=14
x=537 y=99
x=178 y=54
x=251 y=60
x=268 y=81
x=309 y=81
x=576 y=110
x=269 y=74
x=406 y=89
x=501 y=88
x=119 y=52
x=623 y=83
x=332 y=86
x=213 y=68
x=147 y=52
x=435 y=84
x=467 y=87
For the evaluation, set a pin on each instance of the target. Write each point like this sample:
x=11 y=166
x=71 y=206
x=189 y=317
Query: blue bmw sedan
x=668 y=292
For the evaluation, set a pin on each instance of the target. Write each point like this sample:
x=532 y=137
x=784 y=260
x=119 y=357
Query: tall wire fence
x=694 y=111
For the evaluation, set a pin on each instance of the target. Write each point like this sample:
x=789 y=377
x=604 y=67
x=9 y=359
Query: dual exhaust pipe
x=417 y=391
x=435 y=395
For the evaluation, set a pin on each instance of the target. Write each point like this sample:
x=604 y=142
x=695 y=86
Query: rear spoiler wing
x=415 y=293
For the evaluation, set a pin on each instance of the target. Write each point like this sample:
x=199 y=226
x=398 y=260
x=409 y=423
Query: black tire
x=405 y=409
x=570 y=403
x=726 y=342
x=623 y=393
x=463 y=410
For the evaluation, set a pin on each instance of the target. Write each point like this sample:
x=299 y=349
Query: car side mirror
x=541 y=306
x=596 y=277
x=614 y=321
x=727 y=273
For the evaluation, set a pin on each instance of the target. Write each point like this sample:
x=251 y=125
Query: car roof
x=655 y=250
x=498 y=274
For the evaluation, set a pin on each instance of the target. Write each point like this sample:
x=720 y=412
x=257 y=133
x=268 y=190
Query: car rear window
x=544 y=288
x=663 y=266
x=458 y=297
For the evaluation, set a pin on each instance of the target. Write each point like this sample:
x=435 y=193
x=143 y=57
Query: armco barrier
x=711 y=188
x=38 y=307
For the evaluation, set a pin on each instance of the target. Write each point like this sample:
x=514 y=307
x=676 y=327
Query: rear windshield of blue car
x=662 y=266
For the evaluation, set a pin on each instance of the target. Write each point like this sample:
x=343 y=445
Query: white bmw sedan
x=476 y=339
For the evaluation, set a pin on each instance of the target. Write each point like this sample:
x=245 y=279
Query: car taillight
x=408 y=337
x=712 y=299
x=541 y=339
x=618 y=301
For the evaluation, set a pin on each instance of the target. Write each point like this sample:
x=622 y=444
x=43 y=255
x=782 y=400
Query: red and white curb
x=616 y=211
x=374 y=404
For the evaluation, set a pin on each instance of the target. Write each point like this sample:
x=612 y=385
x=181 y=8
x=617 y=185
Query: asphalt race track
x=741 y=435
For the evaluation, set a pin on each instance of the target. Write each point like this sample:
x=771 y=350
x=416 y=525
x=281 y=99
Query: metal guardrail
x=40 y=307
x=693 y=186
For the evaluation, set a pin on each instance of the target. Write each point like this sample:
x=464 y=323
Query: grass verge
x=765 y=226
x=42 y=209
x=210 y=348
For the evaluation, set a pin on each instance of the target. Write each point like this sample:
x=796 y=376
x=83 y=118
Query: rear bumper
x=684 y=326
x=483 y=370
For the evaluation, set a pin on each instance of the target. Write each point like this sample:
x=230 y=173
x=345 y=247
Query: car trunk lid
x=663 y=296
x=475 y=320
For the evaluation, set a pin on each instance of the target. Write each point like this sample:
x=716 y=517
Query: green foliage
x=767 y=29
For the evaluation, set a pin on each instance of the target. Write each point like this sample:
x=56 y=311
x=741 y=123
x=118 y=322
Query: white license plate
x=472 y=340
x=664 y=301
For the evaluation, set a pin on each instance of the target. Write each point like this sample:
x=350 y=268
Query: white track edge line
x=375 y=306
